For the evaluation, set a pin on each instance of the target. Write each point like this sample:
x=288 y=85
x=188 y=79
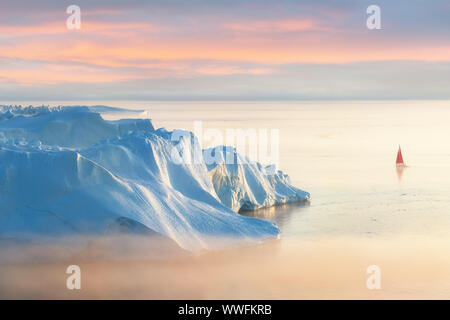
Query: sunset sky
x=224 y=50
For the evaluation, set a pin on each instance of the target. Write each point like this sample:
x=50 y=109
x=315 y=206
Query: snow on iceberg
x=243 y=184
x=72 y=127
x=66 y=171
x=85 y=173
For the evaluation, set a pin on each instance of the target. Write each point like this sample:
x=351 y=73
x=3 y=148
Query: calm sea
x=363 y=211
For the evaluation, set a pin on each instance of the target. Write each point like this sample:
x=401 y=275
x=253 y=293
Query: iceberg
x=243 y=184
x=66 y=171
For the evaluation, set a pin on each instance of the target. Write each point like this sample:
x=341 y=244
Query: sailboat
x=399 y=162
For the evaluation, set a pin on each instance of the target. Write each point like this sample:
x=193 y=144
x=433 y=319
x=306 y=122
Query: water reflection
x=280 y=214
x=400 y=170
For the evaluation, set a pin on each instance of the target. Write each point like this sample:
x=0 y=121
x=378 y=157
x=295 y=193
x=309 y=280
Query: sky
x=224 y=50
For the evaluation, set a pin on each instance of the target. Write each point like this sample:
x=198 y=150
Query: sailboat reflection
x=400 y=170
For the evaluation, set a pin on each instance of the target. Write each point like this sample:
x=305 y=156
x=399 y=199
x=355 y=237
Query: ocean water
x=344 y=154
x=363 y=210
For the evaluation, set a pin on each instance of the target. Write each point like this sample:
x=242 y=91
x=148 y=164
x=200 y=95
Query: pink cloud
x=55 y=74
x=292 y=25
x=55 y=28
x=230 y=70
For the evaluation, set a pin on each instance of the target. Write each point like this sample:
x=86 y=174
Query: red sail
x=399 y=156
